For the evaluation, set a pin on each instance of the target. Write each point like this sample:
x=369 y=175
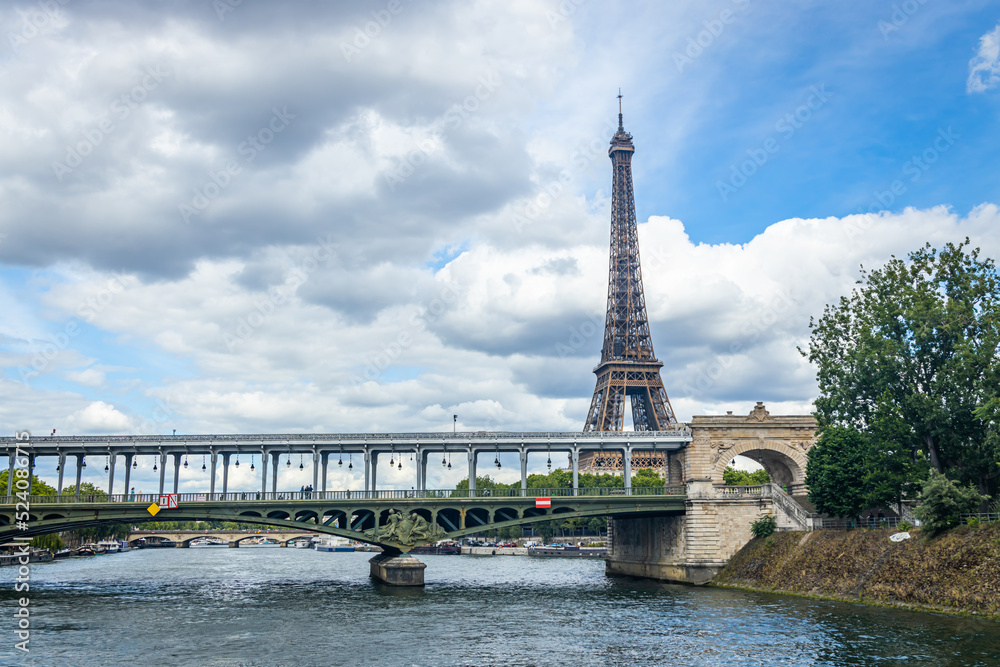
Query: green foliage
x=763 y=526
x=910 y=361
x=645 y=478
x=905 y=526
x=972 y=522
x=943 y=502
x=52 y=542
x=734 y=477
x=38 y=486
x=86 y=489
x=835 y=471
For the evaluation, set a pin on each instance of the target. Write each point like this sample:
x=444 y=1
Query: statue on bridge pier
x=405 y=529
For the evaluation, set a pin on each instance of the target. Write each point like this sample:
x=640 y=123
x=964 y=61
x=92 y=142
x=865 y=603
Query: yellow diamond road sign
x=153 y=509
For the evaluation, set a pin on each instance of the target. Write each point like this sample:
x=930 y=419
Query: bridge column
x=128 y=473
x=79 y=472
x=627 y=463
x=263 y=474
x=472 y=471
x=111 y=474
x=177 y=471
x=374 y=467
x=62 y=468
x=524 y=471
x=225 y=473
x=315 y=469
x=31 y=472
x=274 y=472
x=423 y=469
x=163 y=470
x=367 y=470
x=575 y=456
x=211 y=482
x=418 y=471
x=324 y=462
x=10 y=478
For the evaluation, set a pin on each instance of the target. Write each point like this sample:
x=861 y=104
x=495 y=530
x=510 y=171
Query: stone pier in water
x=397 y=569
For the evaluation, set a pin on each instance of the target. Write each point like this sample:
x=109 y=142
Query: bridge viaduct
x=684 y=531
x=182 y=539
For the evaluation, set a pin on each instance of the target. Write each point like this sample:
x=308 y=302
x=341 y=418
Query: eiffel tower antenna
x=628 y=366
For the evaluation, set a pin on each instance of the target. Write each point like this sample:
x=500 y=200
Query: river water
x=273 y=606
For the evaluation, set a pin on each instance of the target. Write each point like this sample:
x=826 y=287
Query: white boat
x=332 y=544
x=302 y=544
x=108 y=546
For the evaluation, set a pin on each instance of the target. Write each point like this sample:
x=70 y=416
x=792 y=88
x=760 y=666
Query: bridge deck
x=359 y=515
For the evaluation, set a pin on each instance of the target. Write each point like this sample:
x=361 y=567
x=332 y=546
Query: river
x=273 y=606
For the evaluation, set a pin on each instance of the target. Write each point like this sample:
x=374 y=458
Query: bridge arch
x=785 y=463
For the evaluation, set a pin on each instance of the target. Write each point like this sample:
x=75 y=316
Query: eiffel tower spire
x=628 y=366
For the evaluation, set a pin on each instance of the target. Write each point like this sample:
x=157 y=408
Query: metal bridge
x=395 y=520
x=323 y=449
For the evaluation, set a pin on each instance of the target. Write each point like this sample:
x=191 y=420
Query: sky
x=317 y=217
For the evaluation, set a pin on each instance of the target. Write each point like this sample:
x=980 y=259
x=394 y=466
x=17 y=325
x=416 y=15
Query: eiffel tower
x=628 y=366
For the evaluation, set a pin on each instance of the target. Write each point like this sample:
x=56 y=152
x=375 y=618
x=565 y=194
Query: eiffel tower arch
x=628 y=366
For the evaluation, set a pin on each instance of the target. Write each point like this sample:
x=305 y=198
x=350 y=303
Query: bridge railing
x=758 y=491
x=387 y=494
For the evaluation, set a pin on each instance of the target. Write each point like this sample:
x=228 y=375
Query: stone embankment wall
x=495 y=551
x=958 y=572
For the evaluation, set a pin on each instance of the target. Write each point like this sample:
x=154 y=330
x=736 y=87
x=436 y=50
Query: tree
x=38 y=486
x=892 y=471
x=646 y=478
x=734 y=477
x=916 y=343
x=836 y=464
x=86 y=489
x=942 y=503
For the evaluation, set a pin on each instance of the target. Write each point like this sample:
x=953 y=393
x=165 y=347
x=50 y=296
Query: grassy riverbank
x=957 y=572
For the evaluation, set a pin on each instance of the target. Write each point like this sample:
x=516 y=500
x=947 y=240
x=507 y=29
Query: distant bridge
x=184 y=538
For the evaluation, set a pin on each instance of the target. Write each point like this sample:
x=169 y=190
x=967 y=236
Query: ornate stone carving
x=719 y=448
x=405 y=529
x=759 y=413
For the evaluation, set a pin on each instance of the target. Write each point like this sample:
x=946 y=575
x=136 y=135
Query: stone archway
x=779 y=444
x=785 y=465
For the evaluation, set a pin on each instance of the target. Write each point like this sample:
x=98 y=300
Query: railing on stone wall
x=791 y=507
x=788 y=505
x=759 y=491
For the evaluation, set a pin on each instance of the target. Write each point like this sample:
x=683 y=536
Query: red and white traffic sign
x=543 y=503
x=168 y=501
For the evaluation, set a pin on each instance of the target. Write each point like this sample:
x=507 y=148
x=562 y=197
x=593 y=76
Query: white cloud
x=513 y=345
x=984 y=69
x=92 y=377
x=99 y=417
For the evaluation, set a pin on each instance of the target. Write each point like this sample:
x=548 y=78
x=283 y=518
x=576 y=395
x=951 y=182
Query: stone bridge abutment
x=693 y=547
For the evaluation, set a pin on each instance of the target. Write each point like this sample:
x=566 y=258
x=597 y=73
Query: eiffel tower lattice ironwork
x=628 y=366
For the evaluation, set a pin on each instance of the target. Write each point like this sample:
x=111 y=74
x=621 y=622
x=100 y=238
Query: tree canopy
x=38 y=486
x=910 y=362
x=734 y=477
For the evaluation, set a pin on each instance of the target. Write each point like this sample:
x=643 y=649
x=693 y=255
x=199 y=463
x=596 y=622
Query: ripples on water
x=249 y=606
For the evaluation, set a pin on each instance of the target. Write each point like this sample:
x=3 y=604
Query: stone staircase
x=789 y=513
